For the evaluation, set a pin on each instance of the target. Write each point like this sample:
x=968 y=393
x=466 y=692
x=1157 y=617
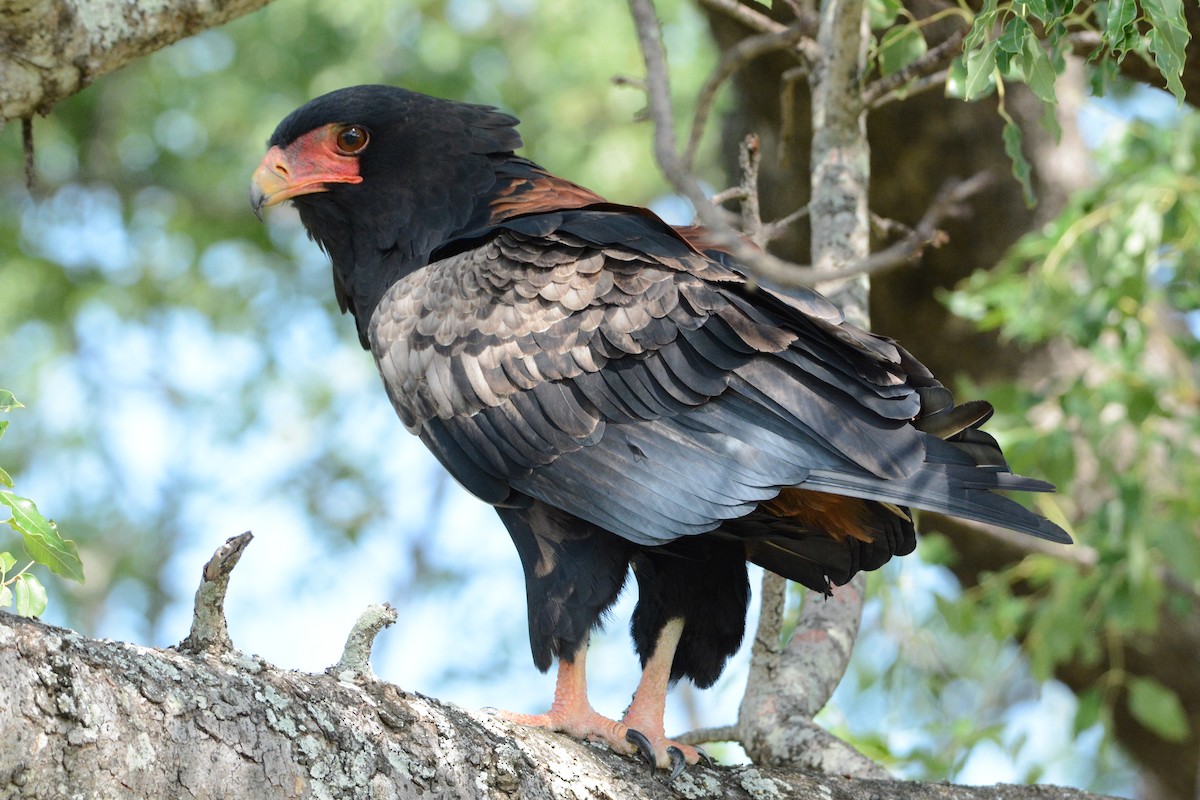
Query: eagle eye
x=351 y=139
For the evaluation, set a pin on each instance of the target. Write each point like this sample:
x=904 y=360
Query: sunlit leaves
x=1167 y=40
x=1111 y=287
x=40 y=538
x=1027 y=42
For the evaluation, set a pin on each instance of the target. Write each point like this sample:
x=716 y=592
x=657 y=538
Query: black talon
x=706 y=758
x=639 y=740
x=678 y=763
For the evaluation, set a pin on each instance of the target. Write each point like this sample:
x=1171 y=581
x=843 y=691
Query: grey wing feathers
x=647 y=390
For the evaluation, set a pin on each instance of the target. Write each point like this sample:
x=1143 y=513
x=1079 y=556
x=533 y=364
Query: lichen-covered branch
x=106 y=720
x=50 y=49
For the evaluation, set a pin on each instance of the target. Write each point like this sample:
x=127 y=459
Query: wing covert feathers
x=596 y=360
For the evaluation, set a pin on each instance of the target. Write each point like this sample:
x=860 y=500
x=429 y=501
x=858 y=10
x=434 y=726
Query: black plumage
x=622 y=393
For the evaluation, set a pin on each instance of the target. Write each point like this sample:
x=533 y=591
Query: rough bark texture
x=50 y=49
x=98 y=719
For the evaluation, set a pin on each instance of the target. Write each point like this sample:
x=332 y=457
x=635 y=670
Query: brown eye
x=352 y=139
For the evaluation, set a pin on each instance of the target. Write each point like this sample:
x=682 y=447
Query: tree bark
x=101 y=719
x=50 y=49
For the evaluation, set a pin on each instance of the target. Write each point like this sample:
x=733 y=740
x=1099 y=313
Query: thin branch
x=919 y=86
x=719 y=733
x=27 y=146
x=934 y=61
x=733 y=60
x=949 y=202
x=721 y=233
x=746 y=15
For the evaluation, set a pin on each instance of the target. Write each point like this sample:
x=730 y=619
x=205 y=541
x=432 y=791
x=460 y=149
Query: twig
x=934 y=61
x=27 y=146
x=734 y=59
x=746 y=15
x=719 y=733
x=210 y=633
x=919 y=86
x=947 y=203
x=773 y=230
x=723 y=235
x=748 y=160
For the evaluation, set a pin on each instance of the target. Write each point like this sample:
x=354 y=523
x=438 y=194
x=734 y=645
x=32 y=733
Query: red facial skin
x=306 y=166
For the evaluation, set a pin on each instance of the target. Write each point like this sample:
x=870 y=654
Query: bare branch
x=27 y=148
x=746 y=15
x=934 y=61
x=721 y=233
x=949 y=202
x=734 y=59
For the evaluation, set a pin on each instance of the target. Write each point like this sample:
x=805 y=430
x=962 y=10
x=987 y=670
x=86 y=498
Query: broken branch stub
x=210 y=633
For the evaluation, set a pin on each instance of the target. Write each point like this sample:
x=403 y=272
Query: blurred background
x=187 y=376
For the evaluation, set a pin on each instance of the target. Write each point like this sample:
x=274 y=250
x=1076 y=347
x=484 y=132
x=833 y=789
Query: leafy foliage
x=1113 y=288
x=41 y=540
x=1028 y=42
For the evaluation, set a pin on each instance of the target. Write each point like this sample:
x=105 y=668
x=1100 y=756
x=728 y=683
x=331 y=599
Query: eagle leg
x=644 y=717
x=571 y=713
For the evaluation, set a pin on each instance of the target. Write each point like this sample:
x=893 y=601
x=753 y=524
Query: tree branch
x=43 y=63
x=933 y=62
x=720 y=232
x=108 y=720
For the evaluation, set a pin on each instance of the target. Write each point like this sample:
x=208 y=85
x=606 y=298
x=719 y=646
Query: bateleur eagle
x=625 y=396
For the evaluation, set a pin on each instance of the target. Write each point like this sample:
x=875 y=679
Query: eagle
x=628 y=397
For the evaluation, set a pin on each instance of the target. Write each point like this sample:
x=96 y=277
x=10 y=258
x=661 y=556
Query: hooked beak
x=298 y=170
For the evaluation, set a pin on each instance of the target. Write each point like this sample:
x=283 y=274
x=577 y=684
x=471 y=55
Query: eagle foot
x=664 y=753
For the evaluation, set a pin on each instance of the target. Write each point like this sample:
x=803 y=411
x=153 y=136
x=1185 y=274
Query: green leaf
x=1088 y=710
x=1118 y=28
x=7 y=401
x=899 y=48
x=30 y=595
x=1016 y=32
x=1039 y=72
x=6 y=597
x=1158 y=708
x=1167 y=41
x=981 y=26
x=7 y=562
x=1020 y=166
x=883 y=13
x=5 y=478
x=41 y=538
x=981 y=68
